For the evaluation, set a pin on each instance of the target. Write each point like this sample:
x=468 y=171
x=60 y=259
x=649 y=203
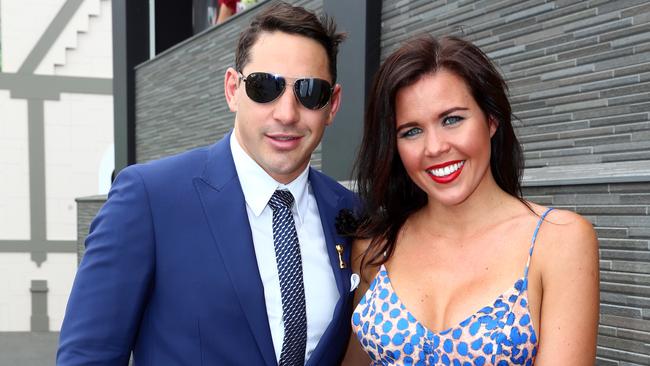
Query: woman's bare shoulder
x=569 y=225
x=566 y=252
x=566 y=237
x=562 y=221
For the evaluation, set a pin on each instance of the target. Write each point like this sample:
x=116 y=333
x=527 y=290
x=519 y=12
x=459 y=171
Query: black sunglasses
x=263 y=87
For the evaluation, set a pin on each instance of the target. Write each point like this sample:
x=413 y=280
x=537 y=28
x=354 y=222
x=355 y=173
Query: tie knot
x=281 y=198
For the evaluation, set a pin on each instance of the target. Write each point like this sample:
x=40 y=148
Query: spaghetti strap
x=539 y=223
x=532 y=244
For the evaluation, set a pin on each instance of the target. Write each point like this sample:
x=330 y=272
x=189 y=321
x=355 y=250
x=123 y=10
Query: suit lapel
x=225 y=210
x=328 y=206
x=335 y=336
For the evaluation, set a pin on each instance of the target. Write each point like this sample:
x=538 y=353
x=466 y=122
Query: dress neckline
x=512 y=290
x=521 y=292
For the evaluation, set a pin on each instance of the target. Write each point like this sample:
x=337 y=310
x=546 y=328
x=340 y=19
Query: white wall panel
x=14 y=169
x=78 y=131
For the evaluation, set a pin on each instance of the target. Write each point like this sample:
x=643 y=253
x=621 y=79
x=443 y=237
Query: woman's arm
x=355 y=355
x=570 y=292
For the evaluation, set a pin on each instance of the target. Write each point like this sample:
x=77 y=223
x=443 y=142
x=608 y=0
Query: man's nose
x=286 y=108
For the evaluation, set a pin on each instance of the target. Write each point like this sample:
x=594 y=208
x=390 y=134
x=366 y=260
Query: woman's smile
x=446 y=172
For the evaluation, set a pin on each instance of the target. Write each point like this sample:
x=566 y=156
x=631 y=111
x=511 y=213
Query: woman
x=456 y=267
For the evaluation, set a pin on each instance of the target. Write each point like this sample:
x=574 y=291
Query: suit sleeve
x=113 y=280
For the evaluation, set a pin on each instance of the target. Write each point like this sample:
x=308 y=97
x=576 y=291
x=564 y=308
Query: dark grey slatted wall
x=179 y=94
x=579 y=73
x=87 y=209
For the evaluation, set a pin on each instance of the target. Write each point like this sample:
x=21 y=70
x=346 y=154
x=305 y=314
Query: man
x=228 y=255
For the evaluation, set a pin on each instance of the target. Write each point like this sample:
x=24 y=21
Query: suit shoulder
x=333 y=184
x=174 y=165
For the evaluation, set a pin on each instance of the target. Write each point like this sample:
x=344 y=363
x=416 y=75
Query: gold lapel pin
x=339 y=249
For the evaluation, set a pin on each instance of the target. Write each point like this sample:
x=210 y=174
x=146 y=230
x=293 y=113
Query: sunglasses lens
x=313 y=93
x=262 y=87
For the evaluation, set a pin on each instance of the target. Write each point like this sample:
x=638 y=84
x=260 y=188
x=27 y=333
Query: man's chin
x=285 y=173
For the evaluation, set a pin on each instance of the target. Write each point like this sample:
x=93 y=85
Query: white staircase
x=78 y=27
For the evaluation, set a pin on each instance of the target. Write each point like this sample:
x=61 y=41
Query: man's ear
x=230 y=86
x=335 y=104
x=494 y=125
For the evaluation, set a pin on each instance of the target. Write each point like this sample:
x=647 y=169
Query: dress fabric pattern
x=499 y=334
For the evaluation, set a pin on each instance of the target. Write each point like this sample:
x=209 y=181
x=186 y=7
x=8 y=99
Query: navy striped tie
x=287 y=254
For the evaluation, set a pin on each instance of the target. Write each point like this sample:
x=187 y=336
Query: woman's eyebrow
x=451 y=110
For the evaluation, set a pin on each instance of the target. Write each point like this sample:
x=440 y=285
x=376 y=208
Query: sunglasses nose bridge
x=295 y=89
x=286 y=108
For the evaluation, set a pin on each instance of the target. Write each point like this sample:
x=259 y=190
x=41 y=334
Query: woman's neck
x=483 y=208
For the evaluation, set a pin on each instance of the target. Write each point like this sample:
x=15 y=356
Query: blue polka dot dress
x=499 y=334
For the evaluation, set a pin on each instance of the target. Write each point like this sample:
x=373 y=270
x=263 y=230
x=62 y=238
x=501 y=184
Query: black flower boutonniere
x=346 y=223
x=346 y=226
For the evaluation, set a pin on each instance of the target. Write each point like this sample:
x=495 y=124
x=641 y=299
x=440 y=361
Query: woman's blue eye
x=410 y=132
x=451 y=120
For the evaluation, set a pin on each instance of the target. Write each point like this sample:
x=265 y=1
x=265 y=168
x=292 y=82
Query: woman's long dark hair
x=388 y=193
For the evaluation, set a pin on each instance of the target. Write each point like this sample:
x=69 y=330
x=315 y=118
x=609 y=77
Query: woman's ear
x=494 y=125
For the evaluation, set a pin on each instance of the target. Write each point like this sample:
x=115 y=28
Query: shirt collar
x=258 y=186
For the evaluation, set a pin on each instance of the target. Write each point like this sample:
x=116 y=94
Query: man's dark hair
x=291 y=19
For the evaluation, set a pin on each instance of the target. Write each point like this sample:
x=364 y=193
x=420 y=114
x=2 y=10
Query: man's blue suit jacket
x=170 y=271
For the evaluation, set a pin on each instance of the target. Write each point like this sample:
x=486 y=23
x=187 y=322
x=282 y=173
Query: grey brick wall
x=579 y=76
x=179 y=94
x=87 y=208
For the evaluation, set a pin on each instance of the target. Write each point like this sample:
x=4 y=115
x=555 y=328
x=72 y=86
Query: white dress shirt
x=321 y=294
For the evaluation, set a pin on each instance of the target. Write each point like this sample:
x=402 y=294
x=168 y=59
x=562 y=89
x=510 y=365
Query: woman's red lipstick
x=446 y=172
